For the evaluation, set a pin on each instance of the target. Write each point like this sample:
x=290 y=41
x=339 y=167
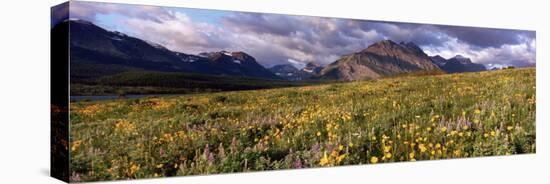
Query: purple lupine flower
x=315 y=152
x=469 y=123
x=210 y=158
x=298 y=163
x=315 y=148
x=206 y=150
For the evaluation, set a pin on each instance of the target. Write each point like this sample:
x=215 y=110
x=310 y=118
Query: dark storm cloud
x=420 y=34
x=322 y=39
x=261 y=23
x=486 y=37
x=310 y=29
x=303 y=38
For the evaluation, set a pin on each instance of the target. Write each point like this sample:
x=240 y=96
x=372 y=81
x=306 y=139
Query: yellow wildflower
x=477 y=111
x=373 y=160
x=387 y=149
x=340 y=158
x=133 y=169
x=324 y=160
x=388 y=155
x=453 y=133
x=75 y=145
x=422 y=148
x=457 y=153
x=124 y=126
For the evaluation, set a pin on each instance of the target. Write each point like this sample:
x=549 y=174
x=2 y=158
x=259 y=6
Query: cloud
x=300 y=38
x=282 y=39
x=522 y=54
x=511 y=55
x=90 y=10
x=178 y=33
x=406 y=32
x=297 y=64
x=260 y=23
x=487 y=37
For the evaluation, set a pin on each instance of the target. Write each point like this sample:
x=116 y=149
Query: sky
x=288 y=39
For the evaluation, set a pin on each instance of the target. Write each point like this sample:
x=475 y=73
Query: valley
x=112 y=63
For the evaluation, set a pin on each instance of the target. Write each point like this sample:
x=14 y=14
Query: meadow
x=407 y=118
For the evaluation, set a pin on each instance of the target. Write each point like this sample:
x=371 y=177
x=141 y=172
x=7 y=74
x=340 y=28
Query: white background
x=24 y=90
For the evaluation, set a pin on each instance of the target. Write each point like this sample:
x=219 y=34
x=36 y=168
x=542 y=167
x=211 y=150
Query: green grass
x=397 y=119
x=148 y=82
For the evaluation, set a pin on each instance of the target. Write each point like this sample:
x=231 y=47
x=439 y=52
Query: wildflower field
x=408 y=118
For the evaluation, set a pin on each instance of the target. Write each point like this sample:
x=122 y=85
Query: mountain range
x=289 y=72
x=457 y=64
x=96 y=52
